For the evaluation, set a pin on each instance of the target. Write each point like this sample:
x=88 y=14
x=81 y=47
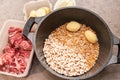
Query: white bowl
x=34 y=5
x=4 y=41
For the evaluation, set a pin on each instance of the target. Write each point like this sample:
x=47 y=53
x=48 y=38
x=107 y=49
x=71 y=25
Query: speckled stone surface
x=109 y=10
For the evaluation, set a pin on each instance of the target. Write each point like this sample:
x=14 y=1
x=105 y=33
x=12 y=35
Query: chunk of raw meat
x=25 y=45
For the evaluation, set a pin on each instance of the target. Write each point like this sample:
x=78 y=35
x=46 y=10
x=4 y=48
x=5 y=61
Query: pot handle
x=117 y=42
x=29 y=24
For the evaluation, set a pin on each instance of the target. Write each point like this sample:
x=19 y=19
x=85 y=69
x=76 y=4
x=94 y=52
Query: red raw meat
x=25 y=45
x=16 y=53
x=12 y=31
x=16 y=37
x=24 y=53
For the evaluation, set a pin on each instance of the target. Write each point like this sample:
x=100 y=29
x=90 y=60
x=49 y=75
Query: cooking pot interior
x=59 y=17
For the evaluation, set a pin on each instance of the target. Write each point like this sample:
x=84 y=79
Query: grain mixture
x=70 y=53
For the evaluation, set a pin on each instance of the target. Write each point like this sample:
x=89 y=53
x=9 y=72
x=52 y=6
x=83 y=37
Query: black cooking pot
x=56 y=18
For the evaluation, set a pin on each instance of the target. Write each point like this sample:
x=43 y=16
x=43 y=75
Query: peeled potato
x=91 y=37
x=40 y=12
x=32 y=13
x=73 y=26
x=46 y=9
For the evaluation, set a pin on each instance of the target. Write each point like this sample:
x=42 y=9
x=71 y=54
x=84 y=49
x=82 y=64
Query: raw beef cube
x=14 y=38
x=26 y=45
x=12 y=31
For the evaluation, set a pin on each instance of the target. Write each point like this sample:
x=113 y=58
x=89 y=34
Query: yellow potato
x=46 y=9
x=91 y=36
x=40 y=12
x=32 y=13
x=73 y=26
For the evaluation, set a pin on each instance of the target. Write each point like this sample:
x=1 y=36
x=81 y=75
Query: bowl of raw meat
x=72 y=42
x=15 y=50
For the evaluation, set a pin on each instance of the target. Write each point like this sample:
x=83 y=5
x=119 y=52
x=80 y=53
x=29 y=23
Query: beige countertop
x=109 y=10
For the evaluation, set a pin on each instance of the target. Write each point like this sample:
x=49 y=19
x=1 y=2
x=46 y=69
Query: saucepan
x=58 y=17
